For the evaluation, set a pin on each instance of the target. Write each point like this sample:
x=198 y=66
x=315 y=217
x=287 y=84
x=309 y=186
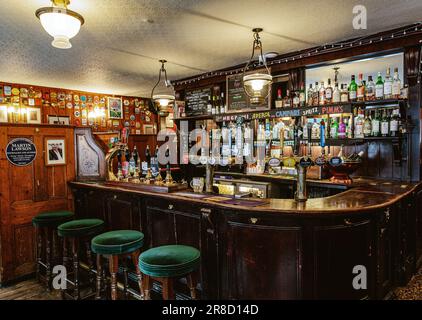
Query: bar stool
x=166 y=263
x=45 y=225
x=78 y=232
x=116 y=245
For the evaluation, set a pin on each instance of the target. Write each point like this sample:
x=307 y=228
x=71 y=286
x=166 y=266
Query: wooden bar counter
x=277 y=248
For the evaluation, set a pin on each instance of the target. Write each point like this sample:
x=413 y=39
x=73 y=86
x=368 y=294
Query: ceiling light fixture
x=162 y=96
x=60 y=23
x=257 y=85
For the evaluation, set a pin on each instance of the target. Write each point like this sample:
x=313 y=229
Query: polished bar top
x=363 y=195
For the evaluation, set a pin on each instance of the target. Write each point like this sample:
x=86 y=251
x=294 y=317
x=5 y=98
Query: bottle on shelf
x=279 y=100
x=385 y=124
x=287 y=100
x=394 y=123
x=315 y=98
x=209 y=105
x=370 y=89
x=334 y=128
x=353 y=89
x=379 y=87
x=361 y=89
x=349 y=127
x=359 y=125
x=310 y=101
x=321 y=96
x=367 y=126
x=296 y=99
x=329 y=93
x=223 y=103
x=376 y=125
x=302 y=95
x=315 y=130
x=213 y=105
x=344 y=93
x=396 y=90
x=388 y=85
x=342 y=128
x=336 y=94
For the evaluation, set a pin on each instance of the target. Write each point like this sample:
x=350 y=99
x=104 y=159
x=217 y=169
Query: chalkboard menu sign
x=237 y=99
x=196 y=101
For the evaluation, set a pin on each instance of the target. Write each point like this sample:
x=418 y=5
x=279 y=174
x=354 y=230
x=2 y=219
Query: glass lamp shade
x=163 y=101
x=61 y=24
x=257 y=86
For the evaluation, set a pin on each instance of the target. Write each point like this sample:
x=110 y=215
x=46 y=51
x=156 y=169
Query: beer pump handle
x=309 y=128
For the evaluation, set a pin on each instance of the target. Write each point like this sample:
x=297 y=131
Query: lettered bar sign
x=21 y=152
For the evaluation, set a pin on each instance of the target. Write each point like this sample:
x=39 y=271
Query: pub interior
x=209 y=150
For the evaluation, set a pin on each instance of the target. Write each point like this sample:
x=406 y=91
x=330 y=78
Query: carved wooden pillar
x=412 y=74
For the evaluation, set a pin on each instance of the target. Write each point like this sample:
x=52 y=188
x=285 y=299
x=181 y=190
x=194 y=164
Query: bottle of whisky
x=302 y=95
x=353 y=89
x=344 y=93
x=388 y=85
x=329 y=93
x=370 y=90
x=396 y=85
x=316 y=95
x=322 y=94
x=310 y=94
x=361 y=89
x=379 y=88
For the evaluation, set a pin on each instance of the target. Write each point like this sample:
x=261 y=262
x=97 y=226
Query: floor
x=32 y=290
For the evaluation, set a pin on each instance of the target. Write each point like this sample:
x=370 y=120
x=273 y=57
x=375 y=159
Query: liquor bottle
x=349 y=127
x=296 y=99
x=223 y=103
x=367 y=126
x=376 y=125
x=305 y=128
x=209 y=105
x=279 y=100
x=388 y=85
x=154 y=163
x=135 y=155
x=217 y=105
x=286 y=100
x=310 y=94
x=379 y=88
x=342 y=129
x=334 y=129
x=214 y=103
x=385 y=124
x=147 y=154
x=132 y=165
x=353 y=89
x=394 y=123
x=315 y=130
x=329 y=93
x=359 y=125
x=336 y=94
x=396 y=85
x=370 y=90
x=344 y=93
x=315 y=98
x=321 y=97
x=302 y=95
x=361 y=89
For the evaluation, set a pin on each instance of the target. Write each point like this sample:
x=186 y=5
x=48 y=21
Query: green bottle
x=353 y=89
x=379 y=87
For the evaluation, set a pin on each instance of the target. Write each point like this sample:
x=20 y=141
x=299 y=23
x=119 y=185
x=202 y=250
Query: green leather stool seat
x=78 y=228
x=117 y=242
x=52 y=218
x=169 y=261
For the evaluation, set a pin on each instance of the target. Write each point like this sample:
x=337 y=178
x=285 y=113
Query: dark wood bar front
x=275 y=248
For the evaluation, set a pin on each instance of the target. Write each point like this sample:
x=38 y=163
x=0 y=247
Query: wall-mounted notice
x=21 y=152
x=196 y=102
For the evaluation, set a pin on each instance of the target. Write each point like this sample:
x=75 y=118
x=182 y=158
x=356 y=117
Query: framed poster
x=33 y=115
x=62 y=120
x=55 y=154
x=148 y=129
x=115 y=108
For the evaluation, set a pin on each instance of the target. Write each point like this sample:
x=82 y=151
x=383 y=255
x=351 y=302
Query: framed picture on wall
x=33 y=115
x=115 y=108
x=55 y=154
x=148 y=129
x=61 y=120
x=3 y=114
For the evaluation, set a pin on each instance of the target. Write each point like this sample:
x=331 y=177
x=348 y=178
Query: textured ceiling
x=117 y=49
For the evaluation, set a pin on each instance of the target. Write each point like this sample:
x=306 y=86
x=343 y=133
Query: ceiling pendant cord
x=154 y=108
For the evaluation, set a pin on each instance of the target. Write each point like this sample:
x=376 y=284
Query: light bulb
x=164 y=102
x=257 y=85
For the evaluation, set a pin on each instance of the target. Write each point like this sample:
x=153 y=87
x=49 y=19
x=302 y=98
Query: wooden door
x=27 y=191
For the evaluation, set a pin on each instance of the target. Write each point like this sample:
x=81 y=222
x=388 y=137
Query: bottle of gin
x=310 y=96
x=334 y=129
x=379 y=88
x=359 y=125
x=370 y=90
x=376 y=125
x=336 y=94
x=329 y=93
x=315 y=98
x=342 y=129
x=302 y=95
x=394 y=123
x=353 y=89
x=367 y=126
x=388 y=85
x=344 y=93
x=385 y=124
x=396 y=85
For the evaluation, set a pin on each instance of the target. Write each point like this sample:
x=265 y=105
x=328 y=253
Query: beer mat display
x=196 y=101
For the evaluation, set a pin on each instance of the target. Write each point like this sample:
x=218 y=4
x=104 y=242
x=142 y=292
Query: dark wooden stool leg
x=168 y=291
x=191 y=278
x=125 y=279
x=38 y=231
x=90 y=261
x=75 y=268
x=48 y=232
x=99 y=277
x=147 y=285
x=114 y=267
x=65 y=264
x=135 y=260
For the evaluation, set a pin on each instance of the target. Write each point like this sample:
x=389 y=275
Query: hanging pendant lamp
x=162 y=95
